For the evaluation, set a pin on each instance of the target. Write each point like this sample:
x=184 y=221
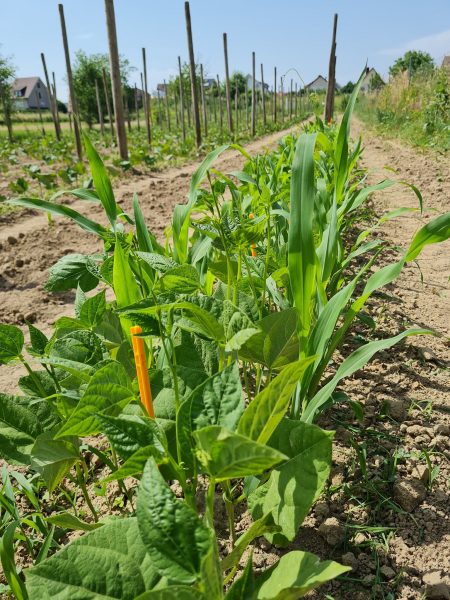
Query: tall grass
x=416 y=109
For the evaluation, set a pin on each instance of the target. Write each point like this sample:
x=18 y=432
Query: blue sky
x=283 y=33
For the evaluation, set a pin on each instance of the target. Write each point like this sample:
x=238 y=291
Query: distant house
x=367 y=80
x=29 y=92
x=446 y=63
x=258 y=84
x=319 y=84
x=209 y=83
x=161 y=90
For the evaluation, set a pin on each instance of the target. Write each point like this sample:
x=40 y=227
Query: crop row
x=242 y=312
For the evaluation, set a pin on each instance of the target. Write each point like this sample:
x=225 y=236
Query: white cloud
x=436 y=44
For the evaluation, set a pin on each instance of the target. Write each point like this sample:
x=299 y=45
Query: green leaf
x=352 y=363
x=182 y=279
x=52 y=459
x=66 y=520
x=71 y=271
x=302 y=257
x=38 y=340
x=175 y=538
x=135 y=464
x=243 y=587
x=437 y=230
x=294 y=575
x=125 y=286
x=180 y=592
x=60 y=210
x=110 y=563
x=78 y=346
x=11 y=343
x=8 y=563
x=180 y=222
x=21 y=421
x=102 y=182
x=128 y=433
x=294 y=486
x=265 y=411
x=277 y=344
x=93 y=309
x=240 y=338
x=226 y=455
x=108 y=392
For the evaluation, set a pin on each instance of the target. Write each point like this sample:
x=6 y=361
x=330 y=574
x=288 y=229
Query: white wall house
x=258 y=84
x=370 y=74
x=319 y=84
x=30 y=92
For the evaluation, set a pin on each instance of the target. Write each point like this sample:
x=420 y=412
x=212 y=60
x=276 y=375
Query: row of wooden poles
x=118 y=108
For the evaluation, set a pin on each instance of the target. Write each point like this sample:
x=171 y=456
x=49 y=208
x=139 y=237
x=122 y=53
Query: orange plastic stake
x=253 y=246
x=141 y=370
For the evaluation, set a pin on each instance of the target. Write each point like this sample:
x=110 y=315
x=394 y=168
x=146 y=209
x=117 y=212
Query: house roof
x=27 y=83
x=316 y=79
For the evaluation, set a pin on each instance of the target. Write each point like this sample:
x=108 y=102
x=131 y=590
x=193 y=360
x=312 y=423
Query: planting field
x=224 y=330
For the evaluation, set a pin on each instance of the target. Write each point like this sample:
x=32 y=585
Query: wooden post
x=55 y=98
x=108 y=103
x=275 y=95
x=73 y=100
x=282 y=99
x=227 y=83
x=263 y=96
x=115 y=79
x=291 y=99
x=183 y=127
x=136 y=106
x=202 y=92
x=175 y=101
x=40 y=116
x=126 y=104
x=329 y=103
x=253 y=94
x=246 y=104
x=69 y=114
x=146 y=99
x=99 y=108
x=219 y=92
x=196 y=113
x=296 y=100
x=236 y=114
x=166 y=98
x=50 y=98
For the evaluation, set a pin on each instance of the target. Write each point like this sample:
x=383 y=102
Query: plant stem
x=210 y=497
x=229 y=506
x=82 y=483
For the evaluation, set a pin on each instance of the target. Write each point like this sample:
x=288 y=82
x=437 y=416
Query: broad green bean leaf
x=38 y=340
x=265 y=411
x=182 y=279
x=294 y=486
x=21 y=422
x=178 y=592
x=66 y=520
x=108 y=392
x=79 y=346
x=110 y=563
x=52 y=458
x=128 y=433
x=226 y=455
x=39 y=384
x=352 y=363
x=102 y=182
x=76 y=369
x=62 y=211
x=159 y=262
x=294 y=575
x=437 y=230
x=176 y=540
x=240 y=338
x=277 y=344
x=70 y=272
x=93 y=309
x=162 y=385
x=135 y=464
x=11 y=343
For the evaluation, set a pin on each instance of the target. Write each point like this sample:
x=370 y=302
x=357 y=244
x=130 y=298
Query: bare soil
x=381 y=514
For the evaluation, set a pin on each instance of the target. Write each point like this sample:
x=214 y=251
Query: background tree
x=7 y=74
x=348 y=88
x=238 y=80
x=87 y=69
x=411 y=61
